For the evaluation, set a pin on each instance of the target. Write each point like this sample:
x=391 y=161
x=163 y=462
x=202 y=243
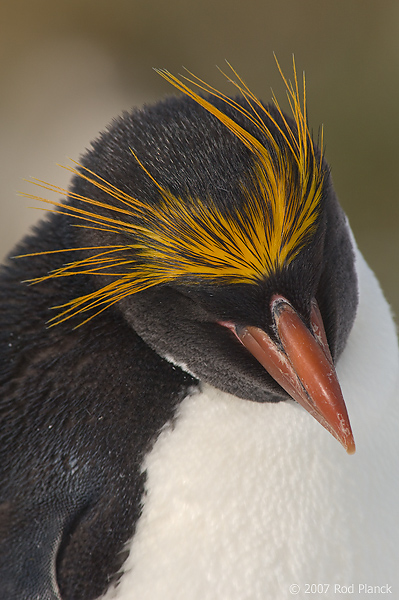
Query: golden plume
x=187 y=237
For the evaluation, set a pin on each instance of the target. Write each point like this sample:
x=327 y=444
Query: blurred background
x=67 y=68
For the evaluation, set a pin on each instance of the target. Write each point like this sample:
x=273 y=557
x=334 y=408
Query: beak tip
x=350 y=446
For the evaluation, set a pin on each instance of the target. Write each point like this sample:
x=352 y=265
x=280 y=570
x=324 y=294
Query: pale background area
x=66 y=68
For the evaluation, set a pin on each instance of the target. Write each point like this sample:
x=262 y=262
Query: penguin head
x=212 y=225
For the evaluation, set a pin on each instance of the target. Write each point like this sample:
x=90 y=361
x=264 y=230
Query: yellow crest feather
x=182 y=238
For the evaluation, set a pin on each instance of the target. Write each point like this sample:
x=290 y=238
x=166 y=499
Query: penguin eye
x=196 y=292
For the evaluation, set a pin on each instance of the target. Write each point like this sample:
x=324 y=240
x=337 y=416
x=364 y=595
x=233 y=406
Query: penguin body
x=147 y=453
x=256 y=513
x=72 y=430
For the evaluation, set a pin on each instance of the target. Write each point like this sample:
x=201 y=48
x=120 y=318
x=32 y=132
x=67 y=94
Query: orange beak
x=302 y=365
